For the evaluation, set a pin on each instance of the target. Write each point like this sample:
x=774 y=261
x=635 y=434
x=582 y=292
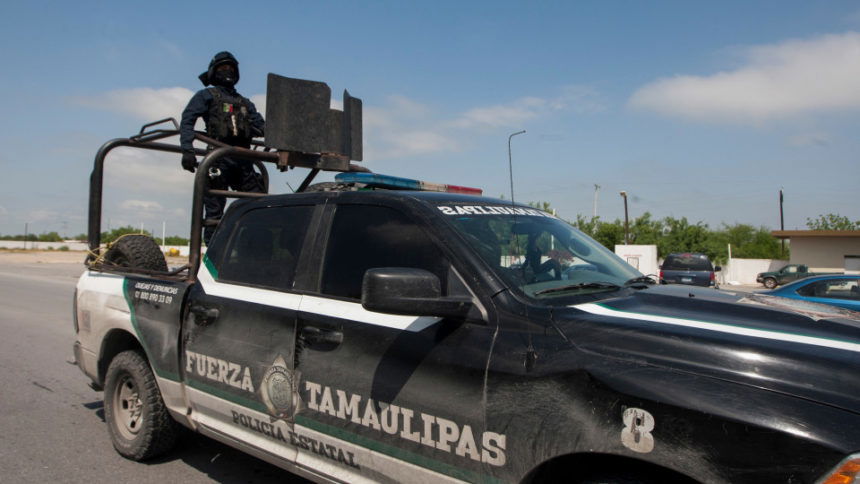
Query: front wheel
x=137 y=419
x=769 y=282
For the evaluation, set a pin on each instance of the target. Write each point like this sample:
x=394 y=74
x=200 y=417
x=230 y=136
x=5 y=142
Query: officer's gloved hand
x=189 y=162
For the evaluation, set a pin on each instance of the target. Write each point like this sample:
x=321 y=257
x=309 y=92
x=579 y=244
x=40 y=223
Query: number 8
x=636 y=434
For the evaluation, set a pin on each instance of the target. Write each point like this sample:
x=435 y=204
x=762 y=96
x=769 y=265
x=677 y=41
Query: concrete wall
x=79 y=246
x=20 y=244
x=641 y=257
x=823 y=254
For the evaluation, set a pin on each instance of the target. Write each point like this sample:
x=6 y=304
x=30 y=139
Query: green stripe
x=210 y=267
x=395 y=452
x=352 y=438
x=126 y=292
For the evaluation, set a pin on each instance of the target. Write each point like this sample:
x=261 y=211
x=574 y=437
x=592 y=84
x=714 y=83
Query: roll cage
x=330 y=130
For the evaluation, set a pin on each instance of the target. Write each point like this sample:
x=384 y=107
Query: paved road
x=52 y=424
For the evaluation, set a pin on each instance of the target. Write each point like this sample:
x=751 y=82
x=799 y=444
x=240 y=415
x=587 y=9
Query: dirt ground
x=57 y=257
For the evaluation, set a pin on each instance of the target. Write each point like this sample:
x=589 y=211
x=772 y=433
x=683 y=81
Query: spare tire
x=136 y=251
x=334 y=187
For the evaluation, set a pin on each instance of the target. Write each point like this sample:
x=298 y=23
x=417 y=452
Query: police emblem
x=279 y=390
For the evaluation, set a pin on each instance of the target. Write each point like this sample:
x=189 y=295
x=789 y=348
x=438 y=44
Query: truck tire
x=136 y=251
x=769 y=282
x=138 y=422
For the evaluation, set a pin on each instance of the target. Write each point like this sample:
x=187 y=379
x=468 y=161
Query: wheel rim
x=127 y=408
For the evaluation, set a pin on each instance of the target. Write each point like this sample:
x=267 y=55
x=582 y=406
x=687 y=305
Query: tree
x=116 y=233
x=175 y=240
x=589 y=226
x=50 y=237
x=609 y=234
x=681 y=236
x=832 y=221
x=644 y=231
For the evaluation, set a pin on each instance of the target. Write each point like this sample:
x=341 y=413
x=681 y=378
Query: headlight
x=847 y=472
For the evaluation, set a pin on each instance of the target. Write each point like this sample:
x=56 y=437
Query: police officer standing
x=230 y=118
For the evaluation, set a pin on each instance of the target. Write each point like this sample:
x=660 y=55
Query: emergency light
x=376 y=180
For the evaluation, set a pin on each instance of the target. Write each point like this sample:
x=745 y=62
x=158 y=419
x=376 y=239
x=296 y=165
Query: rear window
x=687 y=262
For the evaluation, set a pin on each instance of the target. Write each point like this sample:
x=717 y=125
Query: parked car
x=786 y=274
x=836 y=290
x=689 y=268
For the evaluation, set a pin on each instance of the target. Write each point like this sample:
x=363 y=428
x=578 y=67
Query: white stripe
x=355 y=312
x=722 y=328
x=317 y=305
x=266 y=297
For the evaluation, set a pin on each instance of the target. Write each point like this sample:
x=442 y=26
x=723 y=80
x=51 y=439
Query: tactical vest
x=229 y=118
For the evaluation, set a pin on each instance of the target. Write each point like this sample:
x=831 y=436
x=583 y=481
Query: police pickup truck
x=433 y=335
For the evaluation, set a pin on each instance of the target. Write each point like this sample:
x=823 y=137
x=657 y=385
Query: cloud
x=787 y=79
x=404 y=127
x=142 y=171
x=810 y=139
x=141 y=205
x=42 y=215
x=502 y=116
x=579 y=99
x=142 y=103
x=398 y=128
x=259 y=101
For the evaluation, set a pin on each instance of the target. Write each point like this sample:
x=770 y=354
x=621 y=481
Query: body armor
x=229 y=118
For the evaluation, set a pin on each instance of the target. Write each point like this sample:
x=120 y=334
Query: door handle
x=314 y=335
x=204 y=315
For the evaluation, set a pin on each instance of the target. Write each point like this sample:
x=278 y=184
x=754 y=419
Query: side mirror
x=717 y=268
x=407 y=291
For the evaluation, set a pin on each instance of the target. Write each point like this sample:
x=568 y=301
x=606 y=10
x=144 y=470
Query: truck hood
x=810 y=351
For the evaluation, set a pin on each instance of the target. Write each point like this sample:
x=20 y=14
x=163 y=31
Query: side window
x=842 y=289
x=365 y=237
x=265 y=246
x=810 y=290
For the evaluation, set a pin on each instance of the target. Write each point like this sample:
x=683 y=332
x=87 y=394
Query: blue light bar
x=395 y=182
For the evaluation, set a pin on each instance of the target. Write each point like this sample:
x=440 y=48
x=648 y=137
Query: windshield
x=537 y=253
x=687 y=262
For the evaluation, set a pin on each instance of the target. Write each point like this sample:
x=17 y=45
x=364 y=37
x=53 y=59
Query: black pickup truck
x=427 y=336
x=786 y=274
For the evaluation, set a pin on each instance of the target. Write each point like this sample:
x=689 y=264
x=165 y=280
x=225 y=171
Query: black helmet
x=220 y=58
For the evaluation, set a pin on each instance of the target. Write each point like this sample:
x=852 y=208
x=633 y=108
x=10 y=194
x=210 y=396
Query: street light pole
x=511 y=164
x=626 y=220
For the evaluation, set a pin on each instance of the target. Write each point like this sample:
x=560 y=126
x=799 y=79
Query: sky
x=703 y=110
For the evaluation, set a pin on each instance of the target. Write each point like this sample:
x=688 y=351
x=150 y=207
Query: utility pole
x=26 y=228
x=511 y=164
x=626 y=221
x=781 y=220
x=596 y=189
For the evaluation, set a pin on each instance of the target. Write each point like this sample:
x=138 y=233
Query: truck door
x=388 y=397
x=239 y=335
